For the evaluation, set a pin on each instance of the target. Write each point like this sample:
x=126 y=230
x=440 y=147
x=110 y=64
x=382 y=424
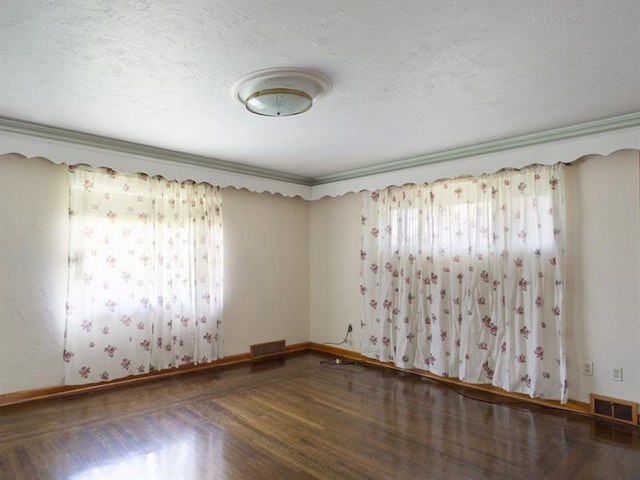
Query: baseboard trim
x=65 y=390
x=571 y=405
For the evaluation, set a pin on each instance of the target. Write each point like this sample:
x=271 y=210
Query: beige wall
x=278 y=250
x=33 y=278
x=266 y=271
x=335 y=270
x=603 y=272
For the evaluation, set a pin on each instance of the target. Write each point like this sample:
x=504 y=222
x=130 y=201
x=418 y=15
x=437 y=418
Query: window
x=464 y=278
x=145 y=275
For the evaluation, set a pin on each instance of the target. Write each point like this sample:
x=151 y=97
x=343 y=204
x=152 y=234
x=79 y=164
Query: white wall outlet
x=587 y=367
x=615 y=374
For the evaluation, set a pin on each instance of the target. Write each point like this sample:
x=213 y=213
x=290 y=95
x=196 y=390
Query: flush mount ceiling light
x=280 y=92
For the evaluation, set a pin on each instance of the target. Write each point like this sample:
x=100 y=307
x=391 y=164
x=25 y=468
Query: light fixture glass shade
x=279 y=102
x=280 y=92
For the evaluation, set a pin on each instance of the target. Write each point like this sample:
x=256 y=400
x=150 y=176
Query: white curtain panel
x=145 y=275
x=465 y=278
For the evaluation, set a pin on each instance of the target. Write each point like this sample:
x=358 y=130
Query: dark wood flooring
x=295 y=419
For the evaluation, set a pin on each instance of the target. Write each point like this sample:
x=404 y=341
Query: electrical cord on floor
x=492 y=402
x=477 y=398
x=340 y=362
x=520 y=404
x=351 y=366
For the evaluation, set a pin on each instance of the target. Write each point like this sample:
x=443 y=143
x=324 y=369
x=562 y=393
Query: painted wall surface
x=33 y=272
x=266 y=271
x=335 y=270
x=292 y=271
x=603 y=272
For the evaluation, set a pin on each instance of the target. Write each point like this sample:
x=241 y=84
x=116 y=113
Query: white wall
x=266 y=271
x=603 y=280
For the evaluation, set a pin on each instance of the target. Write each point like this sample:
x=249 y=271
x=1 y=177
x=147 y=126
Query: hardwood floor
x=295 y=419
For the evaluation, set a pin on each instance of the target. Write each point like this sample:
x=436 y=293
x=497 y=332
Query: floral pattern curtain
x=145 y=275
x=465 y=278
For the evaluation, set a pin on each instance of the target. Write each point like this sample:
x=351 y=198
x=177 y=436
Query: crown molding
x=566 y=133
x=21 y=127
x=55 y=134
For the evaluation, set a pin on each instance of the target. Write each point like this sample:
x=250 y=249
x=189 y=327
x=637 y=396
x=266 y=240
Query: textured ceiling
x=409 y=77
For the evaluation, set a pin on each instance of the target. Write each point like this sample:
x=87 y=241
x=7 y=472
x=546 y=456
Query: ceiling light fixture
x=280 y=92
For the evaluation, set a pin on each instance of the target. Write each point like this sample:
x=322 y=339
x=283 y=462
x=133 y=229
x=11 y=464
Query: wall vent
x=614 y=409
x=268 y=348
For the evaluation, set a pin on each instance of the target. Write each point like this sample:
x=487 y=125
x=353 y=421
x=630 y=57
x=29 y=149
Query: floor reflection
x=298 y=419
x=619 y=434
x=176 y=459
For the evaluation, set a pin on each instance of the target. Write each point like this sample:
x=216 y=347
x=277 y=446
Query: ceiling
x=409 y=78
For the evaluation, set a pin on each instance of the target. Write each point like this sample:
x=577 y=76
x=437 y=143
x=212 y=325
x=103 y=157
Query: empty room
x=319 y=239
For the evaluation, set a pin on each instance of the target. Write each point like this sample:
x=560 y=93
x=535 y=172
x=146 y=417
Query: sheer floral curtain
x=145 y=275
x=464 y=278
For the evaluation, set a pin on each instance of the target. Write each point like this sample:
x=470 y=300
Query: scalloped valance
x=562 y=145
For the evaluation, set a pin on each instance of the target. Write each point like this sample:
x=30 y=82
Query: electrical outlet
x=587 y=367
x=615 y=374
x=350 y=328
